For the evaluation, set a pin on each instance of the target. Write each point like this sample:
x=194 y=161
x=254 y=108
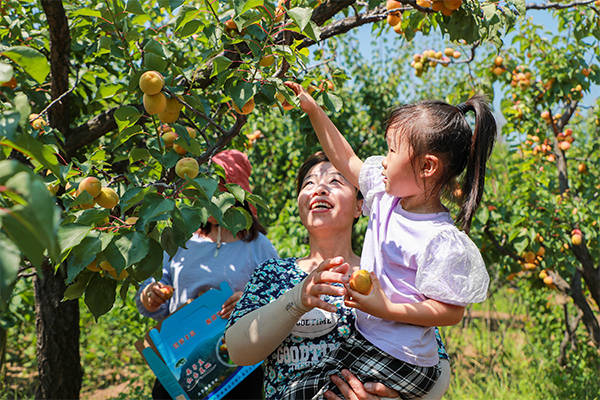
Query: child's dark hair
x=439 y=128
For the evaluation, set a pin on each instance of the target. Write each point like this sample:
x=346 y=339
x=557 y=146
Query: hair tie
x=464 y=108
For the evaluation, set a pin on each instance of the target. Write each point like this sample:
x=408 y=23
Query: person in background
x=212 y=255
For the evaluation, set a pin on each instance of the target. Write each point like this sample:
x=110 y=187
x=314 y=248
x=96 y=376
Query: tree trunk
x=57 y=325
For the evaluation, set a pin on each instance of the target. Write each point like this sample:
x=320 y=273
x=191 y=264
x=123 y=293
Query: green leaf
x=100 y=295
x=332 y=102
x=27 y=144
x=154 y=62
x=155 y=208
x=237 y=191
x=71 y=235
x=133 y=246
x=81 y=256
x=150 y=264
x=32 y=61
x=257 y=201
x=9 y=121
x=220 y=64
x=154 y=47
x=206 y=186
x=167 y=241
x=301 y=16
x=313 y=31
x=76 y=289
x=237 y=219
x=10 y=258
x=126 y=116
x=86 y=12
x=134 y=7
x=242 y=92
x=242 y=7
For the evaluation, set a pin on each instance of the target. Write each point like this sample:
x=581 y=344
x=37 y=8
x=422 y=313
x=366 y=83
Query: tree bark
x=60 y=49
x=57 y=327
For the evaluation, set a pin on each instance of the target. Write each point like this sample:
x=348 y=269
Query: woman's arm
x=425 y=313
x=257 y=334
x=335 y=146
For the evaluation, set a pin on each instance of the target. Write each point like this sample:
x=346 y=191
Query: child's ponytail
x=482 y=142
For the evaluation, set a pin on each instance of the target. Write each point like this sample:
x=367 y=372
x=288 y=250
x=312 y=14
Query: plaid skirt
x=369 y=364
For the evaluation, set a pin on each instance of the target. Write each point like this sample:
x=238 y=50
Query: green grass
x=503 y=357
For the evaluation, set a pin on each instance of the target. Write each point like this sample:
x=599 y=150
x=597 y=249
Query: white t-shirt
x=416 y=257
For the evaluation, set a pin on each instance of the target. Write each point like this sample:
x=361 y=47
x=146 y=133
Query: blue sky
x=540 y=17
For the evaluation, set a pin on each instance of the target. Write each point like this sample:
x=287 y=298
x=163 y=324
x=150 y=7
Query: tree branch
x=557 y=6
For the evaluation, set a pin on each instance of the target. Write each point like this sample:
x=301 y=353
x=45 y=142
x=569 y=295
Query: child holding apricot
x=424 y=270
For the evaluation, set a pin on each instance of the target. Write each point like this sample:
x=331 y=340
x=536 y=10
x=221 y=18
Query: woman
x=289 y=315
x=213 y=255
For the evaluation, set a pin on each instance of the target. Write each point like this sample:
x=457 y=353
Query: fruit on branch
x=191 y=132
x=107 y=198
x=106 y=266
x=246 y=109
x=11 y=84
x=179 y=149
x=392 y=5
x=267 y=60
x=131 y=220
x=582 y=168
x=187 y=166
x=529 y=256
x=171 y=112
x=254 y=136
x=548 y=280
x=576 y=237
x=284 y=103
x=394 y=19
x=231 y=27
x=151 y=82
x=398 y=28
x=326 y=85
x=425 y=3
x=498 y=61
x=94 y=267
x=155 y=103
x=360 y=280
x=529 y=266
x=564 y=145
x=168 y=138
x=91 y=185
x=37 y=122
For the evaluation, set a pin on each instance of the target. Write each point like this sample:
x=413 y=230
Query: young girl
x=424 y=270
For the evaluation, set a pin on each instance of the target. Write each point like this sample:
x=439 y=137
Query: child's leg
x=369 y=364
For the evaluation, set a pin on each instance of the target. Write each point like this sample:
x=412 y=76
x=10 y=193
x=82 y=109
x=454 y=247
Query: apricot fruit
x=151 y=82
x=91 y=185
x=360 y=280
x=171 y=112
x=187 y=166
x=246 y=109
x=107 y=198
x=155 y=103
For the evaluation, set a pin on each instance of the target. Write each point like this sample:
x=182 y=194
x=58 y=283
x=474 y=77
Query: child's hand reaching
x=307 y=103
x=375 y=303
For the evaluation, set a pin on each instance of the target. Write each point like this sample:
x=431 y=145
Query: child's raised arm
x=335 y=146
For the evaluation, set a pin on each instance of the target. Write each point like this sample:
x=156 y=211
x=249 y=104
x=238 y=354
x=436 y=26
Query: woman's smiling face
x=326 y=199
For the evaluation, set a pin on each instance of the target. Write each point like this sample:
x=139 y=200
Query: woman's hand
x=154 y=295
x=307 y=103
x=353 y=389
x=228 y=306
x=318 y=282
x=375 y=303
